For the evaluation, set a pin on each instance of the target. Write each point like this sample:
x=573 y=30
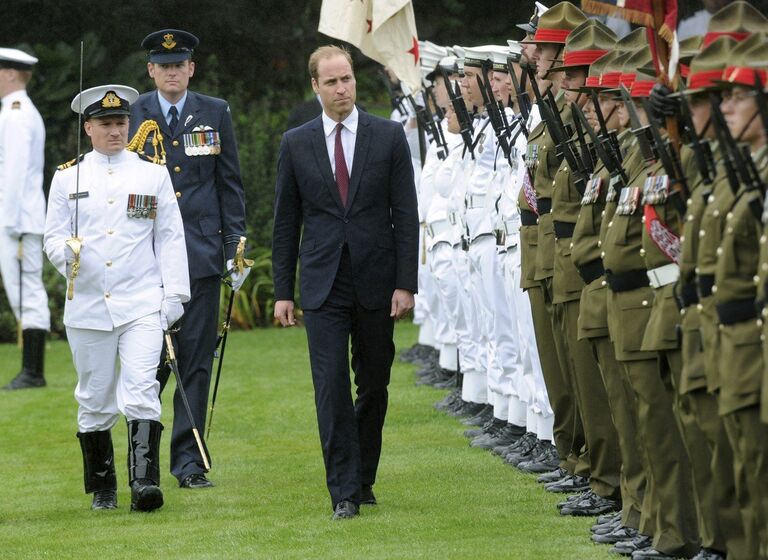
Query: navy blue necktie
x=174 y=118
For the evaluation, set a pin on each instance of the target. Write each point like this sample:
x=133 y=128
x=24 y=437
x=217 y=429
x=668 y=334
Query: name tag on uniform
x=656 y=190
x=592 y=191
x=142 y=206
x=628 y=201
x=202 y=141
x=81 y=194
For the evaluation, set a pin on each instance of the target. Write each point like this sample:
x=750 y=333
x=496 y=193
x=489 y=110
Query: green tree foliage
x=252 y=53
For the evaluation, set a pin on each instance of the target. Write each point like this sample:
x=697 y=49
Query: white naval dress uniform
x=422 y=315
x=529 y=404
x=483 y=190
x=128 y=265
x=22 y=208
x=442 y=236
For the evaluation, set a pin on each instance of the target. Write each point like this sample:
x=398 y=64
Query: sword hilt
x=240 y=263
x=75 y=244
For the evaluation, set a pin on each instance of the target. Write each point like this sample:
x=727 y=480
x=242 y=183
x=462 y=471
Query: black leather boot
x=99 y=468
x=144 y=464
x=32 y=356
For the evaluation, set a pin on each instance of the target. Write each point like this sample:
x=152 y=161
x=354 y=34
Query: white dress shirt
x=127 y=264
x=22 y=141
x=348 y=137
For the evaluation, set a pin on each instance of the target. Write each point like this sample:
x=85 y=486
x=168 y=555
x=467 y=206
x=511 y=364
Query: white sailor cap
x=498 y=55
x=14 y=58
x=477 y=56
x=515 y=50
x=102 y=101
x=459 y=50
x=430 y=54
x=447 y=63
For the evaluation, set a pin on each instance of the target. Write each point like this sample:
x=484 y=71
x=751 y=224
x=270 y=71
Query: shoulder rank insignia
x=148 y=158
x=70 y=163
x=16 y=105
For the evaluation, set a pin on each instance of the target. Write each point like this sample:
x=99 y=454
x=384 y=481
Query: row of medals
x=203 y=142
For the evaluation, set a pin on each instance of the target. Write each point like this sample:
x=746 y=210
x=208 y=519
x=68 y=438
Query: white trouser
x=472 y=360
x=541 y=424
x=35 y=313
x=445 y=282
x=104 y=388
x=496 y=321
x=530 y=387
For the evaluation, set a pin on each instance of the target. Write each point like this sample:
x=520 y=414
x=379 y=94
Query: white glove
x=237 y=278
x=171 y=311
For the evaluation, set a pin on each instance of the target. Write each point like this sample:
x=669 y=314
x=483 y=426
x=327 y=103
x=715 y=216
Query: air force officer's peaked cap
x=103 y=101
x=170 y=45
x=14 y=58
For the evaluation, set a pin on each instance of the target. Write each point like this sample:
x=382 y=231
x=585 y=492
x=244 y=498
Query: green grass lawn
x=437 y=497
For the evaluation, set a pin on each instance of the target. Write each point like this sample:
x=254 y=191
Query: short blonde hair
x=326 y=51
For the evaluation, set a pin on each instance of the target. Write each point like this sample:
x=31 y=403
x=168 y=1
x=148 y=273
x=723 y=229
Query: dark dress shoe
x=194 y=481
x=607 y=518
x=104 y=499
x=651 y=553
x=25 y=380
x=571 y=483
x=366 y=495
x=345 y=510
x=626 y=548
x=552 y=476
x=591 y=505
x=709 y=554
x=606 y=528
x=617 y=535
x=570 y=500
x=544 y=462
x=145 y=495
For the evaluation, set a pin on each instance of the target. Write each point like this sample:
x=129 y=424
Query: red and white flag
x=384 y=30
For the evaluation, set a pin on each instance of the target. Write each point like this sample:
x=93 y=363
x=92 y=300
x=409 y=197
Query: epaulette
x=150 y=159
x=70 y=163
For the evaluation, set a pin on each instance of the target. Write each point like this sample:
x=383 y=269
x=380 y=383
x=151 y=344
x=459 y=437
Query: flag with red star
x=384 y=30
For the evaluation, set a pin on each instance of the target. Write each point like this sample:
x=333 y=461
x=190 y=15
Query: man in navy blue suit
x=346 y=177
x=202 y=160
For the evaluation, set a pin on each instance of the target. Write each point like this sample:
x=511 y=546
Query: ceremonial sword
x=75 y=243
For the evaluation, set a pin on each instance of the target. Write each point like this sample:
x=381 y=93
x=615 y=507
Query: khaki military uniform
x=669 y=494
x=558 y=387
x=593 y=327
x=740 y=359
x=592 y=399
x=720 y=523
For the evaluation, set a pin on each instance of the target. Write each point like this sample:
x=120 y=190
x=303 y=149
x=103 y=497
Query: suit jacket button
x=175 y=142
x=341 y=245
x=346 y=220
x=178 y=194
x=177 y=169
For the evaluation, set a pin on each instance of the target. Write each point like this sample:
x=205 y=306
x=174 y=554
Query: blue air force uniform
x=201 y=156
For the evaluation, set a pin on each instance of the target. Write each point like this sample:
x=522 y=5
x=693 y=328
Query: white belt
x=511 y=226
x=439 y=227
x=663 y=275
x=474 y=201
x=454 y=218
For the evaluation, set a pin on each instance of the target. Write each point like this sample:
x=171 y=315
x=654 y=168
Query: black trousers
x=195 y=344
x=350 y=434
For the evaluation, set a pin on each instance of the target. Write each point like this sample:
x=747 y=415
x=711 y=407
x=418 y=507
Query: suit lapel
x=153 y=111
x=323 y=163
x=189 y=116
x=362 y=143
